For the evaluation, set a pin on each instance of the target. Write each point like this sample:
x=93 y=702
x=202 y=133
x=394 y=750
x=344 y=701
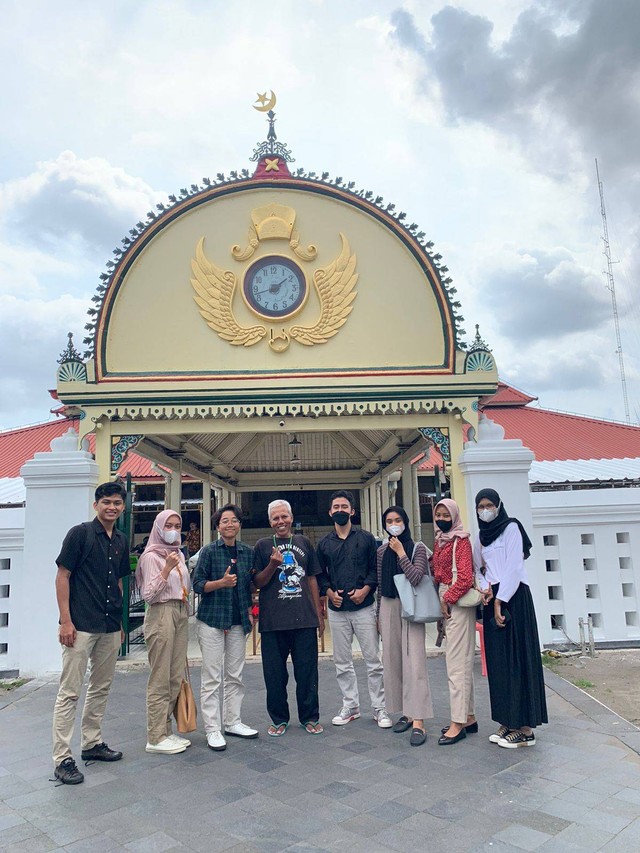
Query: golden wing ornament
x=335 y=290
x=215 y=289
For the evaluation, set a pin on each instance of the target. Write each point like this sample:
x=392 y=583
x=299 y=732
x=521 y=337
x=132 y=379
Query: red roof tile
x=554 y=435
x=506 y=395
x=17 y=446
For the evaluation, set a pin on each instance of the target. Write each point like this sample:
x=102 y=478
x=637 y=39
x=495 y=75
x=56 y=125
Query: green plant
x=13 y=683
x=583 y=683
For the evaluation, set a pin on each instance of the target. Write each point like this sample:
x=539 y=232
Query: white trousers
x=362 y=623
x=223 y=656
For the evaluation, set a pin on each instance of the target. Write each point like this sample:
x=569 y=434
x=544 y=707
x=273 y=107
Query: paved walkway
x=356 y=788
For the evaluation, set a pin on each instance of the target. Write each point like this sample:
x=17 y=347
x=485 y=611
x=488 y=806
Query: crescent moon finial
x=263 y=103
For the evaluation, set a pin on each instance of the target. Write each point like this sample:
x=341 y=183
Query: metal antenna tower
x=611 y=287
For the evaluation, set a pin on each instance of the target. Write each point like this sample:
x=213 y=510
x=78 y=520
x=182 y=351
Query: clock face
x=274 y=287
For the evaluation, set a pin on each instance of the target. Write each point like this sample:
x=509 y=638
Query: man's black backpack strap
x=89 y=540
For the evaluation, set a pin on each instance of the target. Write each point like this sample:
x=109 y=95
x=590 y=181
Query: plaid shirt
x=216 y=608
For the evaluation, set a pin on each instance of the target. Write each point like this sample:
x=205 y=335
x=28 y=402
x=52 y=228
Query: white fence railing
x=590 y=546
x=11 y=549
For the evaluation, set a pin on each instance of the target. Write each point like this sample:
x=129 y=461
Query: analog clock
x=274 y=287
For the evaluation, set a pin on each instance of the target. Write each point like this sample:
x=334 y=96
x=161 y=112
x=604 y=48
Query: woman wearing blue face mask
x=512 y=647
x=163 y=579
x=404 y=658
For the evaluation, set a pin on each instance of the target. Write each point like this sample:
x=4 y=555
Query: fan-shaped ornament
x=480 y=361
x=72 y=371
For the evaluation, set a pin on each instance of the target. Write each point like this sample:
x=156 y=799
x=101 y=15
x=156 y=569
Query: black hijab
x=390 y=565
x=490 y=530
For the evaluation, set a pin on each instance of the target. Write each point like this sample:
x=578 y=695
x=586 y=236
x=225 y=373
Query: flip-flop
x=277 y=731
x=313 y=728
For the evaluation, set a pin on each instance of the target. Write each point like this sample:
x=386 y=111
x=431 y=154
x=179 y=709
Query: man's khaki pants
x=102 y=651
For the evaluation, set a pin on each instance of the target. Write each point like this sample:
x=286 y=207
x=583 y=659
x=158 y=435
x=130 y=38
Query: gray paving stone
x=584 y=837
x=522 y=837
x=156 y=843
x=543 y=822
x=297 y=791
x=393 y=811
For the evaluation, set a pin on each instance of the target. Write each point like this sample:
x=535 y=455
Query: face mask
x=445 y=526
x=487 y=514
x=395 y=529
x=340 y=518
x=170 y=536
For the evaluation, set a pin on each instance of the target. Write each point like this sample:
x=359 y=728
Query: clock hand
x=273 y=288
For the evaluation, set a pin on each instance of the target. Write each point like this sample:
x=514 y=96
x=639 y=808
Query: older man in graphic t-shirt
x=284 y=570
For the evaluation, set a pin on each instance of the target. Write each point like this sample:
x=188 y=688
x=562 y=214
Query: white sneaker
x=345 y=716
x=179 y=739
x=168 y=746
x=383 y=720
x=240 y=730
x=216 y=741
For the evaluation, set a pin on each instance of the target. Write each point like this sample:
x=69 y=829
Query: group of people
x=346 y=569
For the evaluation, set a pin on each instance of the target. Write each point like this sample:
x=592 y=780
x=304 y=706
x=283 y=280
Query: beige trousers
x=166 y=634
x=460 y=647
x=102 y=651
x=404 y=658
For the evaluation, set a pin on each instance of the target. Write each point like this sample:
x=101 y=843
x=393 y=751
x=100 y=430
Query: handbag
x=473 y=596
x=185 y=708
x=420 y=603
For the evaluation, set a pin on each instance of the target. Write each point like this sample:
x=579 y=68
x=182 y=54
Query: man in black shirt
x=347 y=558
x=93 y=560
x=284 y=570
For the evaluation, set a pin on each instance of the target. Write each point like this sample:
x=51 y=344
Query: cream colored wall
x=156 y=326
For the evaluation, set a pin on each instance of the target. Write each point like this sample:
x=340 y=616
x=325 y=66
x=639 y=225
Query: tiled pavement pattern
x=357 y=788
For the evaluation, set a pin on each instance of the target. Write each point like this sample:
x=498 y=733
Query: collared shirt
x=503 y=561
x=95 y=599
x=348 y=564
x=216 y=608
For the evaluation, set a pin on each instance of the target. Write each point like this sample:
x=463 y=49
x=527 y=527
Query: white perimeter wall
x=11 y=549
x=590 y=546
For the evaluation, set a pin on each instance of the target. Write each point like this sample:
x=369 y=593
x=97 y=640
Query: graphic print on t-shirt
x=291 y=572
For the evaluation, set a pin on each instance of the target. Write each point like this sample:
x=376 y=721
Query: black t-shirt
x=95 y=600
x=286 y=602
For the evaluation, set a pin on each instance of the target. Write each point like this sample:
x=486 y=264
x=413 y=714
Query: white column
x=373 y=521
x=205 y=532
x=175 y=488
x=365 y=512
x=378 y=495
x=416 y=525
x=384 y=481
x=60 y=493
x=494 y=462
x=407 y=489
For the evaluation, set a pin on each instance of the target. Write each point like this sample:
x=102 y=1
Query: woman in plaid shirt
x=223 y=580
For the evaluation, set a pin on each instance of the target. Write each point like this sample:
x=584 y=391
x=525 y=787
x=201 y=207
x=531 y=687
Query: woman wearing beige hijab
x=163 y=580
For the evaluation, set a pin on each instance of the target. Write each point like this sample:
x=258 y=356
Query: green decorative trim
x=440 y=437
x=120 y=449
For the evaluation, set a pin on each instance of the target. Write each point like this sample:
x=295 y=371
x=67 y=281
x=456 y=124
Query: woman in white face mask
x=163 y=580
x=404 y=659
x=512 y=647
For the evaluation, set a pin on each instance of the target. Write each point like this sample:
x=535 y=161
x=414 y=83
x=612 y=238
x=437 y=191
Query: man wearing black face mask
x=347 y=557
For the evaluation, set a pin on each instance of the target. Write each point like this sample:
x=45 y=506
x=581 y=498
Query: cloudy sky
x=481 y=120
